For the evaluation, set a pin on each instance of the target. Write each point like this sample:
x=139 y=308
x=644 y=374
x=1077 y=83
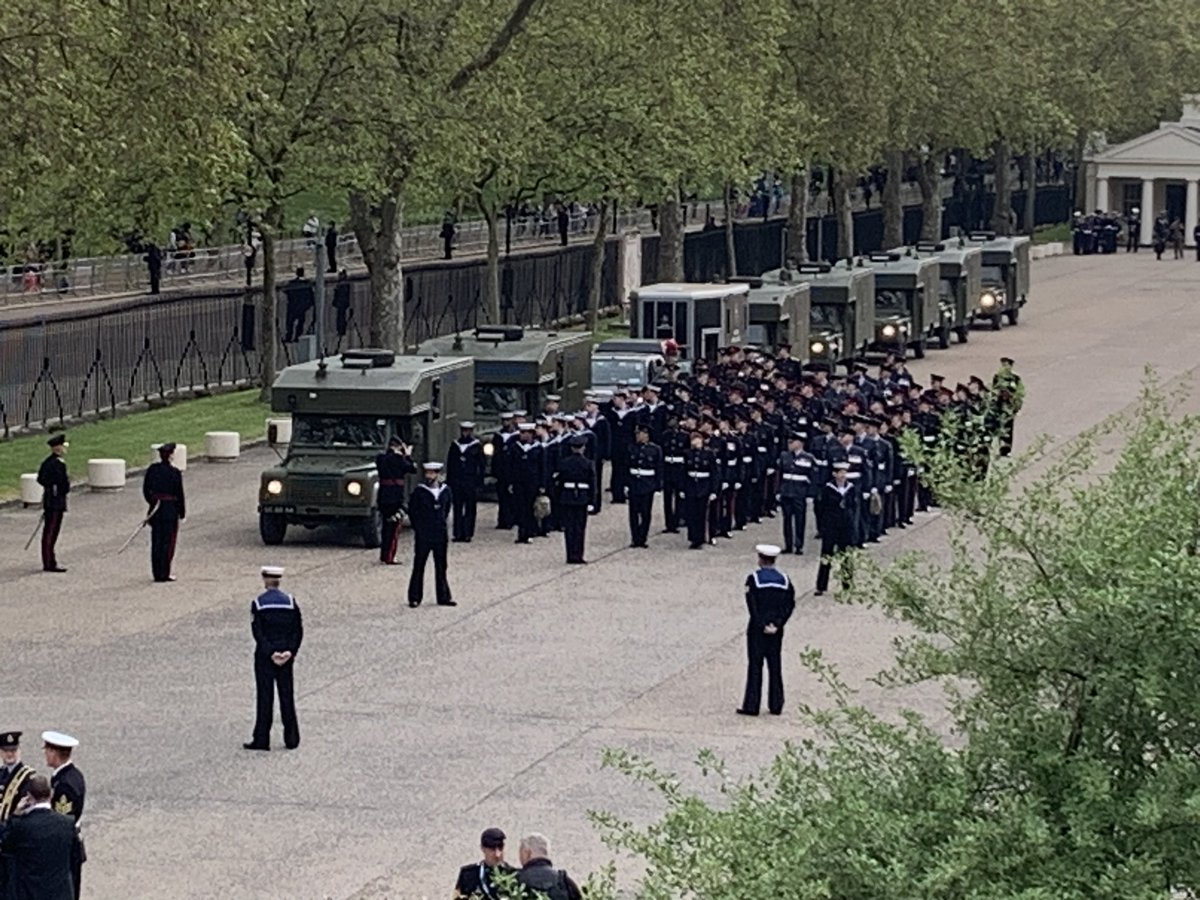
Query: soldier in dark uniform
x=674 y=445
x=52 y=476
x=652 y=413
x=475 y=880
x=1008 y=394
x=278 y=631
x=14 y=775
x=392 y=465
x=465 y=466
x=621 y=421
x=836 y=509
x=300 y=299
x=770 y=600
x=702 y=480
x=731 y=481
x=797 y=471
x=505 y=519
x=598 y=425
x=162 y=489
x=68 y=791
x=645 y=462
x=527 y=471
x=1133 y=230
x=881 y=477
x=428 y=509
x=577 y=481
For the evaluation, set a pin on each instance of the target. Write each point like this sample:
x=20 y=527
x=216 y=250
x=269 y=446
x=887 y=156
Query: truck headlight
x=988 y=300
x=275 y=487
x=489 y=449
x=354 y=488
x=889 y=330
x=817 y=347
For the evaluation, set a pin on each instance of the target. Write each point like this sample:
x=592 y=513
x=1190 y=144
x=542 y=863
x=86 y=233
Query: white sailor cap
x=521 y=412
x=466 y=424
x=526 y=426
x=768 y=550
x=553 y=398
x=272 y=571
x=58 y=739
x=432 y=466
x=507 y=415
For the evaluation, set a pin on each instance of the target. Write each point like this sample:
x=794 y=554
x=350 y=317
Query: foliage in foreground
x=1061 y=624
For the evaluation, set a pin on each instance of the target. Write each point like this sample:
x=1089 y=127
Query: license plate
x=277 y=508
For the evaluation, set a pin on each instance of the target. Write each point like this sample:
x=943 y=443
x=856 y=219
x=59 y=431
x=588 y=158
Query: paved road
x=421 y=727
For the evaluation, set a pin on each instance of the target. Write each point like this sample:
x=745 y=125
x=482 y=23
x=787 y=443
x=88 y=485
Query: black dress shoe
x=818 y=593
x=292 y=745
x=576 y=562
x=521 y=541
x=446 y=603
x=54 y=569
x=253 y=746
x=775 y=712
x=414 y=603
x=747 y=712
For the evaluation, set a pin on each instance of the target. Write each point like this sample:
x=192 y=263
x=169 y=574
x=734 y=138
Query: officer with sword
x=162 y=489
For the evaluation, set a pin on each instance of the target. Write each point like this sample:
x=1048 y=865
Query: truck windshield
x=993 y=275
x=946 y=289
x=612 y=371
x=491 y=400
x=338 y=431
x=891 y=301
x=823 y=315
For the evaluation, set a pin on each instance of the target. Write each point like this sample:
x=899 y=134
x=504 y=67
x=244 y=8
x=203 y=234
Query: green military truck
x=841 y=312
x=344 y=410
x=960 y=281
x=1005 y=276
x=779 y=314
x=907 y=313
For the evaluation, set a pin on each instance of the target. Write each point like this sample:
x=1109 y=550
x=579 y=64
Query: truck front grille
x=318 y=491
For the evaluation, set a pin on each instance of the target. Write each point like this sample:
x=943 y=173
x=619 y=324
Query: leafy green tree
x=1059 y=624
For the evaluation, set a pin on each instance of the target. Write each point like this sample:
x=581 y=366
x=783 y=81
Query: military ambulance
x=907 y=313
x=1005 y=276
x=344 y=410
x=842 y=309
x=779 y=314
x=960 y=282
x=702 y=318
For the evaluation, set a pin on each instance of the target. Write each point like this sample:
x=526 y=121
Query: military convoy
x=779 y=313
x=960 y=282
x=907 y=314
x=841 y=309
x=344 y=410
x=1005 y=276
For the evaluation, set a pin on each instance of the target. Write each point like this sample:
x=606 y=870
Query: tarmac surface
x=422 y=727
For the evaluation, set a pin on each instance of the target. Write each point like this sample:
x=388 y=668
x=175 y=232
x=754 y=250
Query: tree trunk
x=840 y=186
x=730 y=244
x=267 y=329
x=491 y=300
x=893 y=209
x=929 y=178
x=1001 y=211
x=596 y=274
x=378 y=229
x=797 y=222
x=670 y=240
x=1029 y=222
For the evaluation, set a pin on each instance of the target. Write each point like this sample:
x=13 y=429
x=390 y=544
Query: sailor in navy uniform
x=598 y=425
x=702 y=481
x=162 y=489
x=278 y=631
x=392 y=466
x=674 y=445
x=56 y=484
x=770 y=600
x=14 y=775
x=645 y=462
x=836 y=507
x=428 y=509
x=465 y=466
x=577 y=485
x=499 y=444
x=525 y=462
x=68 y=791
x=797 y=471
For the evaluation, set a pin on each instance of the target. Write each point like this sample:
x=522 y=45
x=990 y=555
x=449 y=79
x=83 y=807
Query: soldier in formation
x=429 y=511
x=162 y=489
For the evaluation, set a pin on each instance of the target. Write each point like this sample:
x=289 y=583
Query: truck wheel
x=944 y=337
x=1013 y=314
x=372 y=530
x=919 y=349
x=272 y=527
x=963 y=332
x=996 y=321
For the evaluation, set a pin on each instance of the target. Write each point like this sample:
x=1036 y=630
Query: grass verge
x=129 y=437
x=1049 y=234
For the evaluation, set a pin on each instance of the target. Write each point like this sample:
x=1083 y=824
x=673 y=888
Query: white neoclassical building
x=1155 y=172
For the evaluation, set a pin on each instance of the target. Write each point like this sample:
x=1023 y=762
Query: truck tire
x=371 y=530
x=963 y=332
x=272 y=527
x=944 y=337
x=996 y=321
x=919 y=349
x=1013 y=315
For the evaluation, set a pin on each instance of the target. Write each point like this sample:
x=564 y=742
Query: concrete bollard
x=106 y=474
x=31 y=491
x=279 y=431
x=222 y=446
x=178 y=458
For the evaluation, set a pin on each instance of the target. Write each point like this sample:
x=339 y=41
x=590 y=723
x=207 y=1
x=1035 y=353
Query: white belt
x=745 y=459
x=789 y=477
x=575 y=486
x=646 y=473
x=673 y=459
x=732 y=462
x=853 y=475
x=699 y=474
x=762 y=449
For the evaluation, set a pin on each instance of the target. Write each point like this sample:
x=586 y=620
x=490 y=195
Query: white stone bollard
x=222 y=446
x=106 y=474
x=1037 y=251
x=31 y=491
x=282 y=431
x=178 y=458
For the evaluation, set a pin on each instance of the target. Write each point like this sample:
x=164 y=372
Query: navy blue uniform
x=675 y=444
x=797 y=473
x=277 y=627
x=702 y=481
x=645 y=480
x=465 y=467
x=163 y=485
x=577 y=485
x=836 y=508
x=52 y=476
x=527 y=471
x=770 y=600
x=428 y=509
x=392 y=468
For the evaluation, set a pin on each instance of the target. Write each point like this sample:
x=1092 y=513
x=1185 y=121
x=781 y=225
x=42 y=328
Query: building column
x=1148 y=212
x=1190 y=209
x=1102 y=194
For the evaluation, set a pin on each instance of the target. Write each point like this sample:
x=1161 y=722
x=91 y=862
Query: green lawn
x=129 y=437
x=1049 y=234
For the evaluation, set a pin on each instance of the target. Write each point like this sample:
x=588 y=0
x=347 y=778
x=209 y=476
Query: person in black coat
x=14 y=777
x=162 y=489
x=341 y=302
x=621 y=421
x=37 y=849
x=525 y=462
x=702 y=481
x=674 y=445
x=331 y=244
x=428 y=509
x=392 y=465
x=770 y=600
x=476 y=879
x=300 y=299
x=645 y=463
x=576 y=481
x=598 y=425
x=68 y=790
x=465 y=467
x=278 y=630
x=56 y=484
x=835 y=507
x=154 y=266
